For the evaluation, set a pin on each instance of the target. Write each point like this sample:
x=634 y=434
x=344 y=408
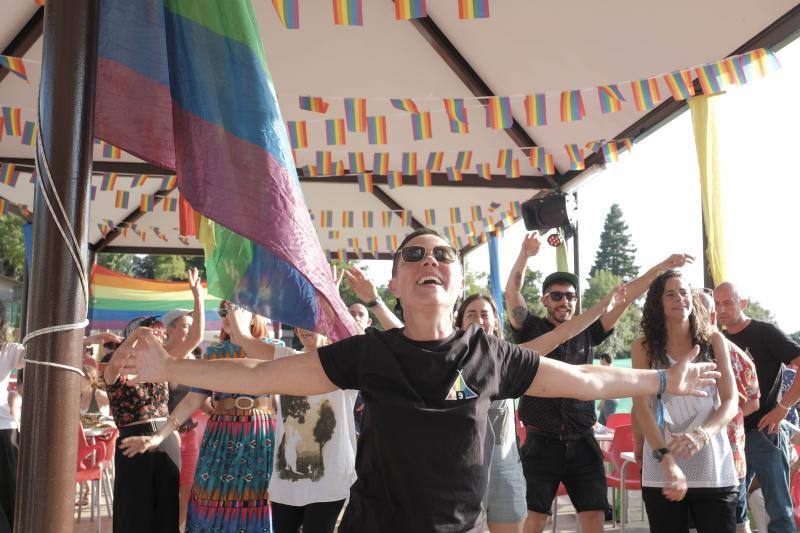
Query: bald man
x=766 y=441
x=360 y=314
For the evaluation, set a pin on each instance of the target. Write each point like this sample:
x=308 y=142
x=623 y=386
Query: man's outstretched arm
x=298 y=375
x=515 y=302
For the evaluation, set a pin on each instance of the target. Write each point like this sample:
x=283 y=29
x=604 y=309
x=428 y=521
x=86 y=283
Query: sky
x=657 y=187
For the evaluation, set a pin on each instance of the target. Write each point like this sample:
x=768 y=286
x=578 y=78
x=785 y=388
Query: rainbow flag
x=348 y=13
x=380 y=163
x=473 y=9
x=15 y=65
x=13 y=121
x=410 y=9
x=395 y=179
x=404 y=215
x=169 y=182
x=512 y=169
x=138 y=181
x=386 y=218
x=455 y=215
x=404 y=104
x=463 y=160
x=29 y=133
x=310 y=171
x=680 y=84
x=347 y=219
x=484 y=170
x=333 y=234
x=314 y=103
x=110 y=151
x=434 y=162
x=758 y=63
x=476 y=211
x=593 y=146
x=454 y=174
x=424 y=178
x=147 y=204
x=708 y=75
x=572 y=108
x=364 y=182
x=610 y=98
x=536 y=110
x=116 y=299
x=514 y=209
x=367 y=219
x=334 y=131
x=450 y=233
x=498 y=113
x=108 y=182
x=409 y=163
x=9 y=175
x=391 y=242
x=430 y=217
x=338 y=168
x=288 y=13
x=326 y=218
x=298 y=134
x=456 y=115
x=376 y=130
x=646 y=94
x=121 y=201
x=575 y=154
x=732 y=70
x=170 y=205
x=372 y=245
x=355 y=113
x=324 y=162
x=356 y=160
x=421 y=126
x=542 y=161
x=504 y=156
x=202 y=68
x=610 y=152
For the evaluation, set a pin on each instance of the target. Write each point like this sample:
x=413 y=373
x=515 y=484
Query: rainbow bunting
x=542 y=161
x=572 y=108
x=454 y=174
x=421 y=126
x=488 y=224
x=455 y=215
x=646 y=94
x=536 y=110
x=324 y=162
x=170 y=205
x=288 y=13
x=758 y=63
x=457 y=115
x=504 y=156
x=15 y=65
x=610 y=152
x=410 y=9
x=386 y=218
x=404 y=214
x=147 y=203
x=484 y=170
x=314 y=103
x=367 y=219
x=29 y=133
x=355 y=113
x=356 y=160
x=138 y=181
x=108 y=182
x=326 y=218
x=593 y=146
x=121 y=201
x=168 y=182
x=2 y=127
x=430 y=217
x=512 y=169
x=473 y=9
x=338 y=168
x=409 y=163
x=4 y=207
x=610 y=98
x=498 y=113
x=395 y=179
x=340 y=254
x=434 y=162
x=12 y=118
x=376 y=130
x=380 y=163
x=450 y=233
x=334 y=131
x=298 y=136
x=513 y=209
x=310 y=171
x=365 y=182
x=391 y=242
x=333 y=234
x=628 y=143
x=732 y=69
x=424 y=178
x=680 y=84
x=476 y=211
x=348 y=13
x=110 y=151
x=404 y=104
x=372 y=244
x=9 y=175
x=708 y=75
x=575 y=155
x=347 y=219
x=463 y=160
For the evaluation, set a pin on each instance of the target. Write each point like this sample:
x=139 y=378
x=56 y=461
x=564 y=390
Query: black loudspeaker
x=546 y=213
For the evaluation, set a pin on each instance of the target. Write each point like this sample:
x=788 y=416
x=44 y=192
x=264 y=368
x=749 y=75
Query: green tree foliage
x=795 y=336
x=476 y=282
x=12 y=247
x=169 y=267
x=616 y=254
x=162 y=267
x=759 y=312
x=349 y=297
x=627 y=328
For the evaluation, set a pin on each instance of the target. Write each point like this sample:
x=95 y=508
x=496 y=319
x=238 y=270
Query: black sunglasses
x=557 y=295
x=223 y=311
x=414 y=254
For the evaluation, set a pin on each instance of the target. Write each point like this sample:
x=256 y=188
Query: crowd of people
x=413 y=427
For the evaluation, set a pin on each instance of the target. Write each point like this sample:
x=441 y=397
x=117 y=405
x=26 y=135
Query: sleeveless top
x=712 y=466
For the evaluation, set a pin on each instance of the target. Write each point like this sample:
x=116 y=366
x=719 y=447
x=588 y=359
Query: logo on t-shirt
x=459 y=390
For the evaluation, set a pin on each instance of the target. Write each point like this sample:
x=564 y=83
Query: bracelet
x=372 y=303
x=700 y=430
x=174 y=421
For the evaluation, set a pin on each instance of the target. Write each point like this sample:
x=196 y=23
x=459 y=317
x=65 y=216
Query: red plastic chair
x=618 y=419
x=622 y=442
x=88 y=470
x=107 y=466
x=794 y=491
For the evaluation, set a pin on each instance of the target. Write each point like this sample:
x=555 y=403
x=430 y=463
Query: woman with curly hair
x=687 y=460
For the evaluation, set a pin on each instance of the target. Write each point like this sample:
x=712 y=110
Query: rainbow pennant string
x=454 y=174
x=680 y=84
x=610 y=98
x=463 y=160
x=409 y=163
x=355 y=112
x=430 y=217
x=410 y=9
x=288 y=13
x=367 y=219
x=324 y=162
x=593 y=146
x=512 y=169
x=310 y=171
x=395 y=179
x=121 y=201
x=170 y=205
x=708 y=75
x=376 y=130
x=147 y=203
x=473 y=9
x=12 y=118
x=313 y=103
x=450 y=233
x=348 y=13
x=391 y=242
x=476 y=211
x=29 y=133
x=334 y=132
x=380 y=163
x=338 y=168
x=610 y=152
x=404 y=104
x=326 y=219
x=572 y=108
x=298 y=134
x=457 y=115
x=333 y=234
x=372 y=244
x=504 y=157
x=138 y=181
x=365 y=182
x=108 y=182
x=575 y=155
x=110 y=151
x=169 y=182
x=421 y=126
x=646 y=94
x=9 y=176
x=356 y=160
x=732 y=70
x=758 y=63
x=498 y=113
x=15 y=65
x=536 y=110
x=435 y=160
x=347 y=219
x=386 y=218
x=455 y=215
x=424 y=178
x=484 y=170
x=542 y=161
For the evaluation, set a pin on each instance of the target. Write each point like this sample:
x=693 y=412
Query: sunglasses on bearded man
x=415 y=254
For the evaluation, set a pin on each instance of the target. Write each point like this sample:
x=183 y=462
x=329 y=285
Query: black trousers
x=8 y=478
x=146 y=486
x=314 y=517
x=713 y=510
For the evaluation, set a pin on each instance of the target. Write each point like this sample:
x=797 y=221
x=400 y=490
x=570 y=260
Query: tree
x=795 y=336
x=122 y=263
x=759 y=312
x=616 y=253
x=323 y=429
x=627 y=327
x=476 y=282
x=169 y=267
x=12 y=247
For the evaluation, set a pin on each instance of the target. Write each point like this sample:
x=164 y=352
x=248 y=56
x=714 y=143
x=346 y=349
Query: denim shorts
x=504 y=500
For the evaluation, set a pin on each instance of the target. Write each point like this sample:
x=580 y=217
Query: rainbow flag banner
x=593 y=146
x=365 y=182
x=760 y=62
x=512 y=169
x=504 y=156
x=542 y=161
x=170 y=205
x=610 y=152
x=484 y=170
x=435 y=160
x=110 y=151
x=288 y=13
x=498 y=113
x=421 y=126
x=410 y=9
x=709 y=78
x=476 y=211
x=313 y=103
x=116 y=299
x=386 y=218
x=29 y=133
x=463 y=160
x=13 y=121
x=394 y=179
x=334 y=132
x=430 y=217
x=122 y=199
x=391 y=242
x=333 y=234
x=355 y=113
x=457 y=115
x=356 y=160
x=455 y=215
x=367 y=219
x=405 y=104
x=424 y=178
x=380 y=163
x=348 y=13
x=324 y=162
x=646 y=94
x=326 y=218
x=169 y=182
x=108 y=182
x=15 y=65
x=409 y=163
x=372 y=245
x=610 y=98
x=454 y=174
x=536 y=110
x=473 y=9
x=138 y=181
x=9 y=175
x=680 y=84
x=376 y=130
x=147 y=203
x=572 y=108
x=732 y=70
x=298 y=134
x=575 y=154
x=347 y=219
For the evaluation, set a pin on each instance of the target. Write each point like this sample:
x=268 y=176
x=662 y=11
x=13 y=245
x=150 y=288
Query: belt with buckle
x=242 y=403
x=557 y=435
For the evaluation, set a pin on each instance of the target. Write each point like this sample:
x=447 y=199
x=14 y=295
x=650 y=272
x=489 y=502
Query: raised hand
x=614 y=298
x=145 y=360
x=361 y=284
x=676 y=261
x=101 y=338
x=238 y=323
x=688 y=379
x=531 y=244
x=195 y=283
x=131 y=446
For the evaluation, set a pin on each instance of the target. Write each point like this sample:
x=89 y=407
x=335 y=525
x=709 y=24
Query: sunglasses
x=223 y=311
x=557 y=295
x=414 y=254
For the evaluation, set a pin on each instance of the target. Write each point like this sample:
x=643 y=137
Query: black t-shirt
x=561 y=415
x=769 y=348
x=425 y=444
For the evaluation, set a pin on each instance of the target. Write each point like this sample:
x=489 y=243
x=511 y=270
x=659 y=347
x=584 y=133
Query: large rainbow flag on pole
x=185 y=85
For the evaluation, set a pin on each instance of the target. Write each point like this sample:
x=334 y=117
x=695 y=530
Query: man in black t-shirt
x=766 y=441
x=560 y=446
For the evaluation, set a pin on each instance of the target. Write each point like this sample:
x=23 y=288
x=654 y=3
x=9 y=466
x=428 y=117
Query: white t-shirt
x=315 y=447
x=11 y=357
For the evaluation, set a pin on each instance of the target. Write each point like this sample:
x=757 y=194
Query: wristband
x=374 y=303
